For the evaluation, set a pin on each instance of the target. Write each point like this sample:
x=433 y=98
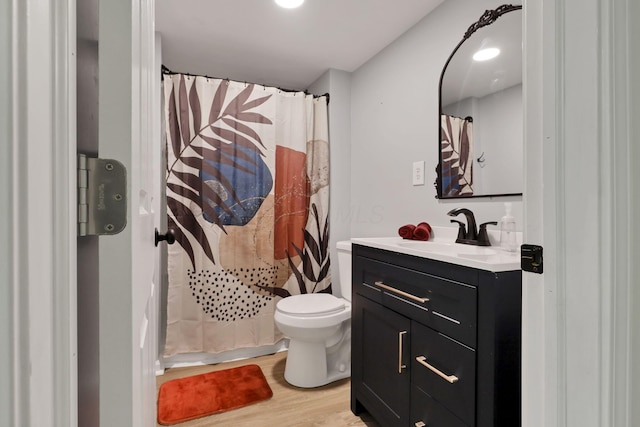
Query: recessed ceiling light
x=289 y=4
x=486 y=54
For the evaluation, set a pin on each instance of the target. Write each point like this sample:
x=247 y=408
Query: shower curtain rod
x=166 y=70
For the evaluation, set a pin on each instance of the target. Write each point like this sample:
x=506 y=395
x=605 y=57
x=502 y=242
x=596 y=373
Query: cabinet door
x=380 y=368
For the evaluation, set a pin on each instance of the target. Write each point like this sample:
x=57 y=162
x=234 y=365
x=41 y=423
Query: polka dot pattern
x=226 y=295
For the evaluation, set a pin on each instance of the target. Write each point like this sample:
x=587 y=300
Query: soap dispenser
x=508 y=230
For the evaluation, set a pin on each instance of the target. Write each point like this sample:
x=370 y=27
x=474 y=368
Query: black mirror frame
x=487 y=18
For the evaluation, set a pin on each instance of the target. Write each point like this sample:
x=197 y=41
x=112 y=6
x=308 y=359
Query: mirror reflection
x=481 y=123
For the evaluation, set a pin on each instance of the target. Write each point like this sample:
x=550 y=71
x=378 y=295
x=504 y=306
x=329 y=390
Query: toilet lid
x=309 y=305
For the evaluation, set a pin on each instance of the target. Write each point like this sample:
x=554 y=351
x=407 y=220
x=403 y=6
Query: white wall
x=500 y=136
x=497 y=133
x=394 y=122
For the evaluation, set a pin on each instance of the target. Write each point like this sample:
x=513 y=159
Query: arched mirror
x=481 y=134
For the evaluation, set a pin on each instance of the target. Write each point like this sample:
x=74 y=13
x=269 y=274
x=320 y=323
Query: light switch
x=418 y=173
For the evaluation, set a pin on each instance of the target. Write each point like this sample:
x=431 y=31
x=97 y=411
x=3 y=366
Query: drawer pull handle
x=420 y=424
x=399 y=292
x=400 y=345
x=450 y=378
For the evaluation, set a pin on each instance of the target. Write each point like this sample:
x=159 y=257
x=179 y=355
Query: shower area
x=247 y=198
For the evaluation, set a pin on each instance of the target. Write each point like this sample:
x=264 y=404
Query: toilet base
x=313 y=364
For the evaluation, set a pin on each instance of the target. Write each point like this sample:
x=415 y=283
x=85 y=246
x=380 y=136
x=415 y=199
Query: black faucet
x=471 y=236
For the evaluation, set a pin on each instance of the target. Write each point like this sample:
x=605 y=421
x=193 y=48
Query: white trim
x=630 y=11
x=538 y=307
x=65 y=215
x=577 y=125
x=619 y=56
x=609 y=198
x=37 y=132
x=160 y=204
x=21 y=353
x=554 y=212
x=43 y=237
x=584 y=203
x=10 y=350
x=619 y=212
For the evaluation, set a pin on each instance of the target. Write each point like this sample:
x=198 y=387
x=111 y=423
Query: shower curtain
x=247 y=197
x=456 y=147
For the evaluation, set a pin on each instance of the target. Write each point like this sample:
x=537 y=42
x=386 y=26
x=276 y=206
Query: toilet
x=319 y=330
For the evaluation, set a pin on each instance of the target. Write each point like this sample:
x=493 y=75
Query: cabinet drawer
x=426 y=412
x=450 y=377
x=445 y=305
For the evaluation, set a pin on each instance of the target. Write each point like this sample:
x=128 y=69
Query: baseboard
x=197 y=359
x=159 y=368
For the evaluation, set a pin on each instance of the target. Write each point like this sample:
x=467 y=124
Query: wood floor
x=290 y=406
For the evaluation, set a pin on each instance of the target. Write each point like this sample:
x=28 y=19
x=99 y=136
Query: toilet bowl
x=319 y=330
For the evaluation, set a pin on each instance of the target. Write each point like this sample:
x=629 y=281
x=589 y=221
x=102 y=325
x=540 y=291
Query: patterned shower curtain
x=456 y=146
x=247 y=196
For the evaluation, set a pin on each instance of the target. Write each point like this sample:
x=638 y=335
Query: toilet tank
x=344 y=266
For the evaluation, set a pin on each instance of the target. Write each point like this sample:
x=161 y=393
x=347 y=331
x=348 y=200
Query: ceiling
x=259 y=42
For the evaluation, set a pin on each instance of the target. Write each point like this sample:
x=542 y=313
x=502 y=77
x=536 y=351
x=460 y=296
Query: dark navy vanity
x=435 y=343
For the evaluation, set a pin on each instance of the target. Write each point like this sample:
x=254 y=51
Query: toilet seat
x=311 y=305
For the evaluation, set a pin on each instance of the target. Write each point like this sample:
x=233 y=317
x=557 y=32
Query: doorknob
x=170 y=237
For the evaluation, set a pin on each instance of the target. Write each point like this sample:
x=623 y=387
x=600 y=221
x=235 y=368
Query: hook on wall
x=481 y=160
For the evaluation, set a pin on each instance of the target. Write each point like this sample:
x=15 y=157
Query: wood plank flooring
x=326 y=406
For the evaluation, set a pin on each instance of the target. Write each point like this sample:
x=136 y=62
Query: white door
x=128 y=112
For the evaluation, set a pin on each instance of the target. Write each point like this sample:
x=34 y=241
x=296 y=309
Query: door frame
x=40 y=184
x=42 y=260
x=579 y=202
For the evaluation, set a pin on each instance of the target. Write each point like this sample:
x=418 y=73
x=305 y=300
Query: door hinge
x=102 y=196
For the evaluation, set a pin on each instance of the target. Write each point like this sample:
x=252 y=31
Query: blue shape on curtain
x=251 y=182
x=450 y=182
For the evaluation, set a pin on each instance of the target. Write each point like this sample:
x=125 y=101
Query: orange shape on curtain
x=292 y=190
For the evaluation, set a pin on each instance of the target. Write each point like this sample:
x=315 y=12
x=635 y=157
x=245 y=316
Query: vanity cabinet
x=434 y=344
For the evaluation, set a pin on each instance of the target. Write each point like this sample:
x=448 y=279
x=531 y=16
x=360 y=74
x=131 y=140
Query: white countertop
x=442 y=247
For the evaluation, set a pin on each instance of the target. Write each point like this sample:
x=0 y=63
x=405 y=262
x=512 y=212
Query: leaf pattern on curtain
x=314 y=256
x=247 y=197
x=213 y=156
x=456 y=148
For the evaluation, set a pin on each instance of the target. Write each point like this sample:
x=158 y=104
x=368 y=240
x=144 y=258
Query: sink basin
x=449 y=248
x=489 y=258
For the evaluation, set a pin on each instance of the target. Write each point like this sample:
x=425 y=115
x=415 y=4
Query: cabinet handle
x=420 y=424
x=400 y=342
x=399 y=292
x=450 y=378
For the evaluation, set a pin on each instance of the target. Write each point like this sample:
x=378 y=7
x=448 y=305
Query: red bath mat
x=202 y=395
